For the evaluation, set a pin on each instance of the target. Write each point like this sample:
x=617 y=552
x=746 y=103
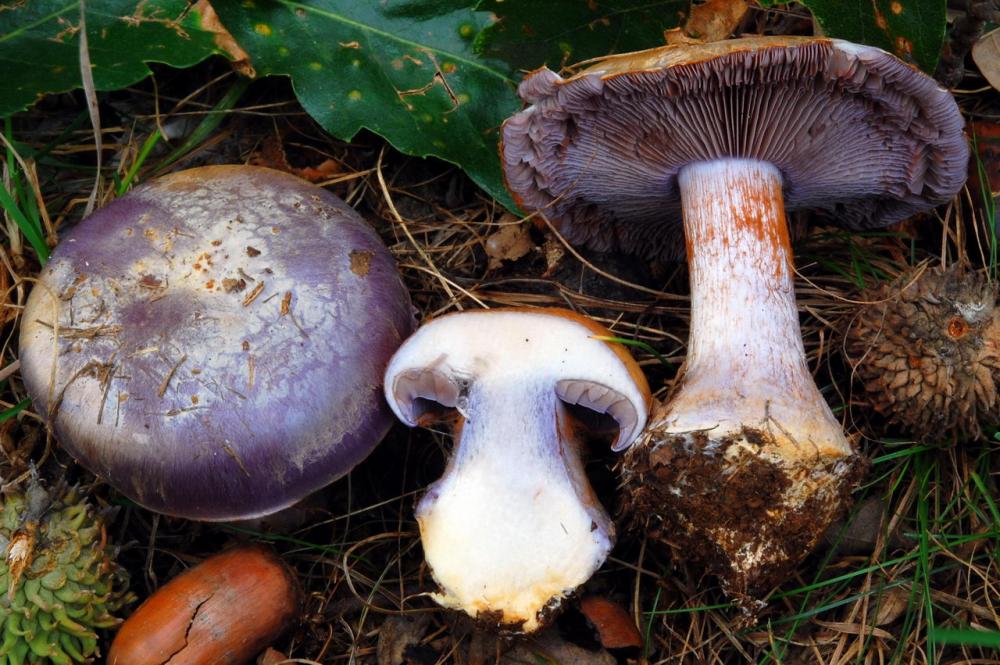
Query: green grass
x=859 y=266
x=966 y=637
x=989 y=207
x=938 y=535
x=19 y=202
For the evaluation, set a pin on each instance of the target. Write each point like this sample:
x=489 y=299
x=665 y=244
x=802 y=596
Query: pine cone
x=59 y=583
x=927 y=351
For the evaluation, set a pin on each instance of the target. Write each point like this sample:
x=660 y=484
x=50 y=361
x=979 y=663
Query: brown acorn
x=926 y=349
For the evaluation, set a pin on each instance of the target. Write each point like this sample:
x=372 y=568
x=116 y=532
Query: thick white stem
x=513 y=525
x=746 y=365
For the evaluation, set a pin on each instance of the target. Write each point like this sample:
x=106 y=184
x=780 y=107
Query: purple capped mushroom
x=212 y=344
x=746 y=463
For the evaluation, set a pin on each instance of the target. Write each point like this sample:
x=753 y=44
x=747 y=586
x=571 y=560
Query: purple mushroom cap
x=856 y=133
x=213 y=343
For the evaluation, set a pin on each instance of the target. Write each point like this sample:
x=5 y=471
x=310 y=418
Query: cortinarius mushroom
x=746 y=460
x=213 y=343
x=926 y=349
x=513 y=526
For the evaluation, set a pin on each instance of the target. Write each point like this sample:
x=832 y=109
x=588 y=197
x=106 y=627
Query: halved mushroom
x=513 y=526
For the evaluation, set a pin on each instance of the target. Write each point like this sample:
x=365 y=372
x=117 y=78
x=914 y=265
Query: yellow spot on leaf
x=904 y=47
x=880 y=20
x=262 y=29
x=283 y=51
x=896 y=7
x=449 y=68
x=315 y=66
x=355 y=63
x=438 y=143
x=58 y=70
x=466 y=31
x=248 y=4
x=427 y=117
x=462 y=98
x=354 y=95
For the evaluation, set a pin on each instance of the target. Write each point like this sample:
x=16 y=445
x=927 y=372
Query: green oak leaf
x=39 y=44
x=404 y=69
x=913 y=30
x=529 y=34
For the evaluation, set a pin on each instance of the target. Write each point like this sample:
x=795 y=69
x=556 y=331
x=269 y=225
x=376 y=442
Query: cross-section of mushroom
x=513 y=526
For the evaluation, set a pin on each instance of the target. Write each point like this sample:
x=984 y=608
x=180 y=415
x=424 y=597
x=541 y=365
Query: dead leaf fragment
x=510 y=243
x=239 y=59
x=986 y=55
x=711 y=21
x=892 y=605
x=615 y=626
x=549 y=647
x=851 y=628
x=272 y=657
x=397 y=634
x=324 y=170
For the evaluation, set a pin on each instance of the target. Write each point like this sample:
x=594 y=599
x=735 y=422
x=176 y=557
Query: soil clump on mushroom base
x=714 y=503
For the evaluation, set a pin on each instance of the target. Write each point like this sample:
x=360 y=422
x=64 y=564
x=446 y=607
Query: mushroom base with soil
x=746 y=460
x=747 y=514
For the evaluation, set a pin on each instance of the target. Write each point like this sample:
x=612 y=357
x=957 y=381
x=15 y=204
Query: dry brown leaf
x=710 y=21
x=397 y=634
x=862 y=533
x=272 y=657
x=554 y=254
x=986 y=55
x=615 y=626
x=855 y=629
x=549 y=647
x=510 y=243
x=240 y=59
x=891 y=605
x=325 y=170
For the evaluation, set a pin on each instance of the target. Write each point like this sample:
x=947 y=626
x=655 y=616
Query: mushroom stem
x=513 y=525
x=747 y=457
x=746 y=364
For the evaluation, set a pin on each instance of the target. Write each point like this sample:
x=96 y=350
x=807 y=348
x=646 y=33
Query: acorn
x=926 y=349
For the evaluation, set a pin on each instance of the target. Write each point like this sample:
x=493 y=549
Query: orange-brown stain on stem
x=757 y=210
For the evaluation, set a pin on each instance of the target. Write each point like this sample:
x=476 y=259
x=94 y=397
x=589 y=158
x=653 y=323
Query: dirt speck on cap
x=361 y=262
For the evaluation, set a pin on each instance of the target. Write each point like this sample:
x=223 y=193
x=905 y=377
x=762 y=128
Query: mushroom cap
x=856 y=133
x=522 y=346
x=212 y=343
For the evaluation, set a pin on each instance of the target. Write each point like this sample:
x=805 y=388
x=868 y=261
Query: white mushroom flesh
x=513 y=526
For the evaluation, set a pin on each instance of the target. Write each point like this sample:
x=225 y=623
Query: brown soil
x=708 y=507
